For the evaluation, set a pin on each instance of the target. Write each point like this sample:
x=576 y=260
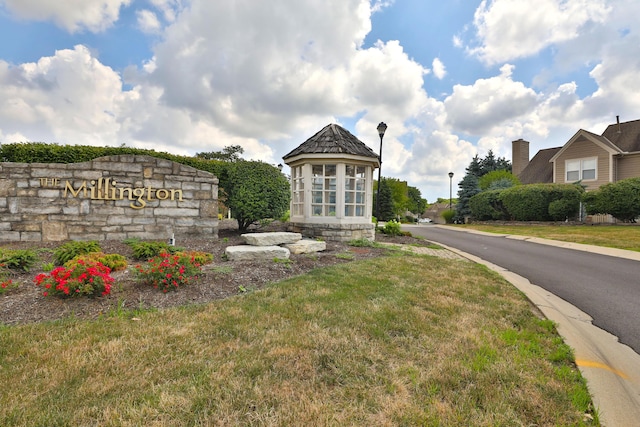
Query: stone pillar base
x=334 y=232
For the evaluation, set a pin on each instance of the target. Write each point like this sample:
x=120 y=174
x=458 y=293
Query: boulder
x=306 y=246
x=270 y=239
x=254 y=253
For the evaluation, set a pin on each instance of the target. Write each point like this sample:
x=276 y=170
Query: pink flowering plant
x=168 y=272
x=78 y=278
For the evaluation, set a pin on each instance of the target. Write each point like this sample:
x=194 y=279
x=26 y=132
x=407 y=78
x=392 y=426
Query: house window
x=323 y=190
x=354 y=194
x=297 y=188
x=581 y=169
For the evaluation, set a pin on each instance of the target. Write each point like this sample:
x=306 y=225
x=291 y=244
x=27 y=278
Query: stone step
x=271 y=238
x=255 y=253
x=306 y=246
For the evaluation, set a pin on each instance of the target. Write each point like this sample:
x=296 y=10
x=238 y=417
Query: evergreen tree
x=386 y=202
x=468 y=188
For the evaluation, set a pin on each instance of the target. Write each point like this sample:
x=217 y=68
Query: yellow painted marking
x=592 y=364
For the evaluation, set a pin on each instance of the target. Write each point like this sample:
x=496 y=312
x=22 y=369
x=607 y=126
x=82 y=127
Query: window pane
x=330 y=184
x=360 y=198
x=573 y=165
x=350 y=170
x=348 y=197
x=350 y=184
x=360 y=185
x=317 y=209
x=360 y=171
x=589 y=174
x=573 y=176
x=589 y=164
x=359 y=210
x=317 y=197
x=330 y=196
x=317 y=170
x=348 y=211
x=330 y=170
x=331 y=210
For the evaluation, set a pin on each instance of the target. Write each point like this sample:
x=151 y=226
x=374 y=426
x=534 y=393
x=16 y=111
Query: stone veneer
x=335 y=232
x=152 y=199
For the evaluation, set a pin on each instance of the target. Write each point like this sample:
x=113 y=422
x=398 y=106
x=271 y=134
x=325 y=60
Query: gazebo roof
x=333 y=139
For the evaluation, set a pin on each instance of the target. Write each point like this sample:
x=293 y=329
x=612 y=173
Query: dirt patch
x=220 y=279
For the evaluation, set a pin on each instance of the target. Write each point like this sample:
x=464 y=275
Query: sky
x=451 y=79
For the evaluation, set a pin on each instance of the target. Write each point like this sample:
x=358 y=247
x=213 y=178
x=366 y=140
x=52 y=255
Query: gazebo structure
x=332 y=186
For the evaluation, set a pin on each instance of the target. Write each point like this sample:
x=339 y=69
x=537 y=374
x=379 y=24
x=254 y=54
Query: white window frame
x=581 y=169
x=297 y=191
x=355 y=190
x=324 y=190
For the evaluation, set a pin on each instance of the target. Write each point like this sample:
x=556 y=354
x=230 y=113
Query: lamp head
x=382 y=127
x=450 y=174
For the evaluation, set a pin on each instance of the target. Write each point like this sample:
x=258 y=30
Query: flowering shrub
x=5 y=284
x=170 y=271
x=89 y=278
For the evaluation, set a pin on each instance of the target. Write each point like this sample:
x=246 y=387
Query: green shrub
x=70 y=250
x=448 y=215
x=532 y=202
x=147 y=250
x=487 y=206
x=392 y=228
x=115 y=262
x=620 y=199
x=18 y=259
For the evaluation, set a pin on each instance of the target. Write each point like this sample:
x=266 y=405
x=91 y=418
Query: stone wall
x=335 y=232
x=109 y=198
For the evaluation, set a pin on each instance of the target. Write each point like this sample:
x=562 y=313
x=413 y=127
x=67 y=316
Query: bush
x=620 y=199
x=115 y=262
x=70 y=250
x=532 y=202
x=392 y=228
x=147 y=250
x=88 y=278
x=169 y=271
x=18 y=259
x=448 y=215
x=255 y=191
x=487 y=206
x=498 y=179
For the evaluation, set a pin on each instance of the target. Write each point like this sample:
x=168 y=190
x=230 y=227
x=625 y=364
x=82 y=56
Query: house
x=592 y=159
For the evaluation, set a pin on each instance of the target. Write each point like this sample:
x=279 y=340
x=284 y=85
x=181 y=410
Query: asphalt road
x=607 y=288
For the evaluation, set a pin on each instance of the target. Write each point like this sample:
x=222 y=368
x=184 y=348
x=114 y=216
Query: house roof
x=625 y=136
x=539 y=169
x=617 y=138
x=333 y=139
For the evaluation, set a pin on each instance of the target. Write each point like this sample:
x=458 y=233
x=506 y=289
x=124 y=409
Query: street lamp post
x=382 y=127
x=450 y=187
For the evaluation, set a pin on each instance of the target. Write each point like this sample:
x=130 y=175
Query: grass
x=427 y=341
x=612 y=236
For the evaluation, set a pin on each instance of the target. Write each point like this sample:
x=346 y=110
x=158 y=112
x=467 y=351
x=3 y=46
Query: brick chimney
x=519 y=156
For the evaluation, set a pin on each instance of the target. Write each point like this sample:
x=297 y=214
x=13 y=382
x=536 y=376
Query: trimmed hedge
x=620 y=199
x=535 y=202
x=487 y=206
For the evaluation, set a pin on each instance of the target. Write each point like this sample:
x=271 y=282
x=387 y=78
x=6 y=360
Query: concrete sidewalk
x=612 y=369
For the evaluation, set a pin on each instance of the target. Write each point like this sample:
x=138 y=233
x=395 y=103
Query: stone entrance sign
x=115 y=197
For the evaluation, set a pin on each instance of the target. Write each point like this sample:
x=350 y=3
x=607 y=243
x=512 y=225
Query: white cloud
x=510 y=29
x=148 y=22
x=439 y=70
x=475 y=109
x=72 y=15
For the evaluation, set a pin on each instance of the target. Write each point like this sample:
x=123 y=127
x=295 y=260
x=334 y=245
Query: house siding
x=628 y=166
x=581 y=149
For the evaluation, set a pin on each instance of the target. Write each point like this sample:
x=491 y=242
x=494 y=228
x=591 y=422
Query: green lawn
x=613 y=236
x=404 y=340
